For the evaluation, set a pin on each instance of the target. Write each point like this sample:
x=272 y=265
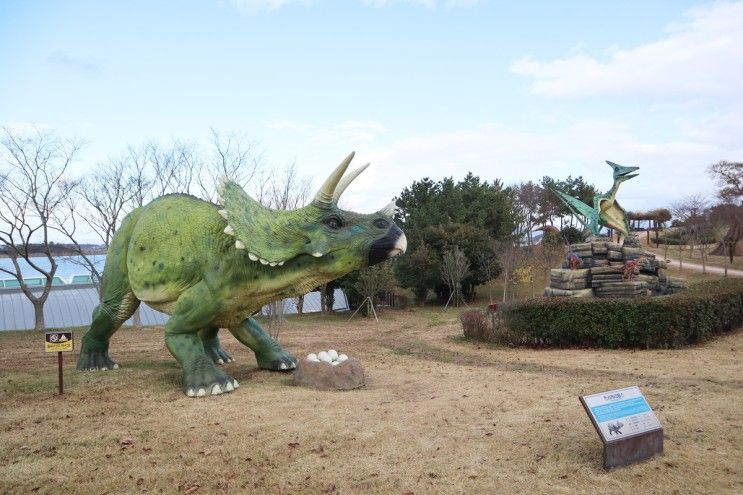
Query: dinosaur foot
x=95 y=360
x=276 y=360
x=218 y=356
x=202 y=384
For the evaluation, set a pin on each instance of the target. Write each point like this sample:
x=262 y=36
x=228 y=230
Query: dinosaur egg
x=342 y=357
x=312 y=357
x=333 y=354
x=335 y=363
x=324 y=357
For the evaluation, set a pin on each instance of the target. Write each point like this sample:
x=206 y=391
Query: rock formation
x=608 y=269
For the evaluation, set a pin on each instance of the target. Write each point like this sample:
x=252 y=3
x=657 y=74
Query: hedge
x=691 y=316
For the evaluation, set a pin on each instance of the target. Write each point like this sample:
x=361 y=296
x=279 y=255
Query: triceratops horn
x=324 y=196
x=346 y=181
x=389 y=210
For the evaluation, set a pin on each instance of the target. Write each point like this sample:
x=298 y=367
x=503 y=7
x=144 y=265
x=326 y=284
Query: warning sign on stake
x=58 y=342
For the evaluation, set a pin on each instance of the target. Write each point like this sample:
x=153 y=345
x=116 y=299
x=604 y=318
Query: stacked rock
x=608 y=269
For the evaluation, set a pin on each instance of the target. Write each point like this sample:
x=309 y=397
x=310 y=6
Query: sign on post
x=628 y=428
x=59 y=342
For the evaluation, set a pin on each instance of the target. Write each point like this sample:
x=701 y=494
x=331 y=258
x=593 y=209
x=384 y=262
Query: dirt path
x=699 y=268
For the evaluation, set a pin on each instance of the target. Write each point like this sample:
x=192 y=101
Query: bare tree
x=529 y=197
x=234 y=157
x=110 y=192
x=454 y=267
x=35 y=188
x=691 y=212
x=371 y=281
x=729 y=178
x=175 y=167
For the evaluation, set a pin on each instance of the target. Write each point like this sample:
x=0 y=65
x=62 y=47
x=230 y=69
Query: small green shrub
x=688 y=317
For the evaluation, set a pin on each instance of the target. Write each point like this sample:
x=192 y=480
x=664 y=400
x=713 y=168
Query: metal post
x=61 y=381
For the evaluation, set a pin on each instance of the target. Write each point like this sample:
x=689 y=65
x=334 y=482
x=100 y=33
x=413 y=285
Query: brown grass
x=438 y=415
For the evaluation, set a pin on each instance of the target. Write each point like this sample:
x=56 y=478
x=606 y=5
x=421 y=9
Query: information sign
x=626 y=424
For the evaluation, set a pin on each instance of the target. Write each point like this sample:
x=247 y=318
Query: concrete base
x=633 y=449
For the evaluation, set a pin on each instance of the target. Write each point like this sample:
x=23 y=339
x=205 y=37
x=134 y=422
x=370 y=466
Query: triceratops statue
x=212 y=267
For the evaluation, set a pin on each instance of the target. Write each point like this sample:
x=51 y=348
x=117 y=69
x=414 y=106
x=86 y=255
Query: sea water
x=67 y=266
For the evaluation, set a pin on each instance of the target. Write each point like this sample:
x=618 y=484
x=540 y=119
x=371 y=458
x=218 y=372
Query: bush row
x=685 y=318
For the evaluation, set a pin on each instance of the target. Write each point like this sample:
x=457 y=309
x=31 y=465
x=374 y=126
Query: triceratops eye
x=334 y=223
x=381 y=223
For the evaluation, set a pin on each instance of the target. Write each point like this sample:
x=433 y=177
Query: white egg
x=333 y=354
x=324 y=356
x=342 y=357
x=335 y=363
x=312 y=357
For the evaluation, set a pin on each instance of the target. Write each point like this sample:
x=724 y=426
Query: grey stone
x=325 y=376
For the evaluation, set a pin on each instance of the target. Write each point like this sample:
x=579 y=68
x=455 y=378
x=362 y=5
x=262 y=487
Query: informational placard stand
x=626 y=424
x=59 y=342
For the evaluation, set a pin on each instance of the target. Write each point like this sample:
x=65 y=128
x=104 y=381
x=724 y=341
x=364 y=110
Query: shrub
x=474 y=324
x=688 y=317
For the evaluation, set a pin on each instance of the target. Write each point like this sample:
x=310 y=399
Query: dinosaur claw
x=216 y=389
x=190 y=393
x=252 y=257
x=229 y=387
x=220 y=361
x=201 y=393
x=235 y=384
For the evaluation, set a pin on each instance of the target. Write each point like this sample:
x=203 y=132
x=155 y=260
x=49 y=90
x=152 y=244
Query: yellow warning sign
x=58 y=342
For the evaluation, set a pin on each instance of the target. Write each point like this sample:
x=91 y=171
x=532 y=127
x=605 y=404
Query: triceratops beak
x=324 y=197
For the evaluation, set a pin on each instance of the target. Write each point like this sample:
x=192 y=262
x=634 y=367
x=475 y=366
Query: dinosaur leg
x=212 y=346
x=108 y=317
x=269 y=354
x=195 y=310
x=118 y=303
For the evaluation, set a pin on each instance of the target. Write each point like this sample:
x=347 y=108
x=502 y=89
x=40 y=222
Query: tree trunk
x=137 y=320
x=39 y=324
x=323 y=299
x=300 y=305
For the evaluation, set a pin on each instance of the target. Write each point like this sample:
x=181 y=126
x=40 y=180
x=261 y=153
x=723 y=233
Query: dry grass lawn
x=438 y=416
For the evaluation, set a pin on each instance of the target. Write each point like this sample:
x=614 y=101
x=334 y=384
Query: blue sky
x=510 y=90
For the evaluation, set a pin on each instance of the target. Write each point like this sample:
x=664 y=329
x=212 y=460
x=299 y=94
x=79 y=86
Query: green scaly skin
x=210 y=269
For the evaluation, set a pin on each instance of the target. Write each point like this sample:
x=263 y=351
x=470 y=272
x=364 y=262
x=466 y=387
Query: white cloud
x=702 y=56
x=669 y=168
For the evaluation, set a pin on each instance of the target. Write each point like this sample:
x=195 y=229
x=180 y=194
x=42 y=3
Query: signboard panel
x=58 y=342
x=629 y=429
x=621 y=413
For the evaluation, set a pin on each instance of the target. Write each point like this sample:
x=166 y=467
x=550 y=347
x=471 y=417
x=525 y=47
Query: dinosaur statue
x=212 y=267
x=606 y=210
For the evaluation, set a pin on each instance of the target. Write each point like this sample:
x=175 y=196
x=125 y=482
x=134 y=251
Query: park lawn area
x=438 y=415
